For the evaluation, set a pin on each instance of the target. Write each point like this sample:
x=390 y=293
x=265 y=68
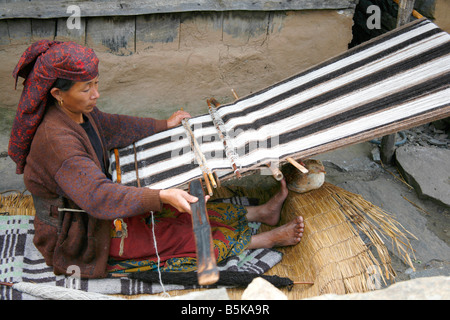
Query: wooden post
x=405 y=9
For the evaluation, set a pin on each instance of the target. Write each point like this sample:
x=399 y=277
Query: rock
x=376 y=155
x=260 y=289
x=437 y=142
x=432 y=268
x=434 y=288
x=427 y=170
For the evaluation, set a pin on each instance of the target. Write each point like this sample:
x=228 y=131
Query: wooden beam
x=58 y=9
x=405 y=10
x=207 y=270
x=43 y=29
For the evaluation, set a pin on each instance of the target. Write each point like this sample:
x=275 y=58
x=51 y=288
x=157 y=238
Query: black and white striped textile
x=394 y=82
x=20 y=261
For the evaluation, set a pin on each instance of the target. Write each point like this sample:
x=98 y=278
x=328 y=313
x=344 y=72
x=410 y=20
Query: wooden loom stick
x=233 y=164
x=415 y=14
x=235 y=94
x=136 y=166
x=297 y=165
x=119 y=172
x=208 y=185
x=8 y=284
x=207 y=271
x=277 y=174
x=205 y=176
x=200 y=157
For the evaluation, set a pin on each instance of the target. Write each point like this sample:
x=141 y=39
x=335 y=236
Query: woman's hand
x=179 y=199
x=176 y=117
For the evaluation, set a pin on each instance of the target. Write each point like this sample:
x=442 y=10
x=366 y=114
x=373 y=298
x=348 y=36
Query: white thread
x=59 y=293
x=157 y=255
x=70 y=210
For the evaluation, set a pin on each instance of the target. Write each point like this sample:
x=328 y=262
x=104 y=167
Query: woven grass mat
x=16 y=202
x=332 y=253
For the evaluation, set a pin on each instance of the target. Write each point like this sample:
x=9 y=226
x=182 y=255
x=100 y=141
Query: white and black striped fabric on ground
x=388 y=84
x=20 y=261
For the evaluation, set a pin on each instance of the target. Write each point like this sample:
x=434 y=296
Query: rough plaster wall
x=206 y=57
x=442 y=14
x=158 y=81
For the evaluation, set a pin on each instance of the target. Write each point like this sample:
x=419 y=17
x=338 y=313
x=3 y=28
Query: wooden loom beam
x=207 y=271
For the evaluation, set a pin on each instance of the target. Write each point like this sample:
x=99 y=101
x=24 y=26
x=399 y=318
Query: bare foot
x=269 y=213
x=287 y=235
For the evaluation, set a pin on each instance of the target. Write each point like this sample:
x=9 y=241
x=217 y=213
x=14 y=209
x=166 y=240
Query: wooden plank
x=64 y=33
x=43 y=29
x=4 y=34
x=405 y=10
x=58 y=9
x=241 y=28
x=117 y=34
x=19 y=31
x=162 y=30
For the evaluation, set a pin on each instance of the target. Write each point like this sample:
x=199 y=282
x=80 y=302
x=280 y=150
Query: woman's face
x=80 y=98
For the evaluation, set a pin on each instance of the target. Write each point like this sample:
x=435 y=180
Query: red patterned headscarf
x=41 y=64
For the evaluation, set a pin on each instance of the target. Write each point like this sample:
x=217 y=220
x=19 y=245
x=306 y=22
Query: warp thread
x=157 y=255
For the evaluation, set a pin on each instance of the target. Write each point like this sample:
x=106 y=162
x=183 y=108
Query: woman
x=60 y=142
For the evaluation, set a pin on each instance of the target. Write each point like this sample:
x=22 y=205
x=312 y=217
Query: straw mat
x=342 y=250
x=15 y=203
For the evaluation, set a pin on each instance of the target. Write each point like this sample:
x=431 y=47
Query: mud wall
x=153 y=64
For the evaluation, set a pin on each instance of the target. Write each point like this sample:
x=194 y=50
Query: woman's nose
x=95 y=94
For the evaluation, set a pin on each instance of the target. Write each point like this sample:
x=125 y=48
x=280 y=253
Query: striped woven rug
x=397 y=81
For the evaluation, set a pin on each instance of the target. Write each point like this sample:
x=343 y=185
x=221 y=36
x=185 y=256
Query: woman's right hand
x=178 y=198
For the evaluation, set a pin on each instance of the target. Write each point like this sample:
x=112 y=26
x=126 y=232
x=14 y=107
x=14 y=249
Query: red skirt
x=175 y=237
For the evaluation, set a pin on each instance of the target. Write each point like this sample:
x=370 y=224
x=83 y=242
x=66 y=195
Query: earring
x=60 y=102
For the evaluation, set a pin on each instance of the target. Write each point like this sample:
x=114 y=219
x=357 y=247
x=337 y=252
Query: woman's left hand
x=179 y=199
x=175 y=119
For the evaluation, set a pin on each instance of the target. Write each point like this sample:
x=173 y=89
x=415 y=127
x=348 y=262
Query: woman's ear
x=56 y=93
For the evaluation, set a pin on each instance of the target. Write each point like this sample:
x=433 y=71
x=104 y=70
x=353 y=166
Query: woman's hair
x=63 y=85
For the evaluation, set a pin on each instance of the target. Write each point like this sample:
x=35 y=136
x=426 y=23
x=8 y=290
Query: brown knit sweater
x=62 y=169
